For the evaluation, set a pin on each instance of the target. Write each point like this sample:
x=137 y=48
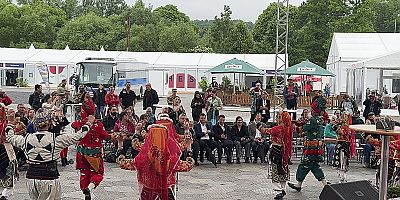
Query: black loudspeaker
x=359 y=190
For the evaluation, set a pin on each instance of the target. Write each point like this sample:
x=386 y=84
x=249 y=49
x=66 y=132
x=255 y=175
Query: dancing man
x=89 y=155
x=313 y=148
x=158 y=162
x=281 y=136
x=42 y=150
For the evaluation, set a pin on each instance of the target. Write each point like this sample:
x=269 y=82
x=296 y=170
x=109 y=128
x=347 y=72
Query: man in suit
x=205 y=136
x=222 y=135
x=240 y=135
x=263 y=107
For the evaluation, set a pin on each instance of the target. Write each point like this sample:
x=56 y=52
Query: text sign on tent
x=233 y=66
x=15 y=65
x=305 y=69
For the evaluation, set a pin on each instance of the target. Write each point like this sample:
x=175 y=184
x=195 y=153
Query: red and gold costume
x=158 y=162
x=89 y=156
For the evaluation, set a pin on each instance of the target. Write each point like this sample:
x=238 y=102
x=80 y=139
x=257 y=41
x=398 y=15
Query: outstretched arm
x=68 y=139
x=15 y=140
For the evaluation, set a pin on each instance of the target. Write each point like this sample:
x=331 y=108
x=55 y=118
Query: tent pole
x=380 y=86
x=234 y=80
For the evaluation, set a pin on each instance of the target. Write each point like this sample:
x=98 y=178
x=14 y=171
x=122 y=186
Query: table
x=384 y=154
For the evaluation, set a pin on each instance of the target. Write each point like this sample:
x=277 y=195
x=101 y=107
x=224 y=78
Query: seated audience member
x=124 y=130
x=222 y=136
x=371 y=120
x=259 y=143
x=110 y=119
x=330 y=140
x=241 y=138
x=204 y=135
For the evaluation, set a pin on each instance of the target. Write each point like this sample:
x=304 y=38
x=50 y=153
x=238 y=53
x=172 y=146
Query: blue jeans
x=100 y=111
x=367 y=153
x=331 y=152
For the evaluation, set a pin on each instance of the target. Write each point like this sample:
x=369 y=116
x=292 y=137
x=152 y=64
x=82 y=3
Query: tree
x=170 y=14
x=143 y=38
x=87 y=32
x=179 y=37
x=220 y=31
x=241 y=40
x=9 y=23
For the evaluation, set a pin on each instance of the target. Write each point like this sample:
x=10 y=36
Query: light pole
x=395 y=23
x=128 y=38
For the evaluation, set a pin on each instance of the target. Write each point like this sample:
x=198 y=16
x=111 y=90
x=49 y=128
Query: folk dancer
x=89 y=156
x=345 y=141
x=313 y=148
x=159 y=161
x=8 y=160
x=42 y=150
x=280 y=136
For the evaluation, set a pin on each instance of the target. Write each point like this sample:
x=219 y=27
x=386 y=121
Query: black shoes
x=219 y=161
x=293 y=186
x=290 y=162
x=247 y=160
x=196 y=163
x=64 y=162
x=87 y=194
x=255 y=160
x=280 y=195
x=3 y=198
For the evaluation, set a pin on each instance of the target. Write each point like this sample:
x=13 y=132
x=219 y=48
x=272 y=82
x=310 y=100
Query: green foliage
x=226 y=82
x=178 y=38
x=201 y=49
x=393 y=192
x=203 y=84
x=22 y=82
x=170 y=14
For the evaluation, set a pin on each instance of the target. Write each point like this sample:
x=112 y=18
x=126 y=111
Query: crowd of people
x=35 y=138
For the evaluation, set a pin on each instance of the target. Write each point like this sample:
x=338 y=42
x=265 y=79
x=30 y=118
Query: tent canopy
x=387 y=61
x=235 y=66
x=308 y=68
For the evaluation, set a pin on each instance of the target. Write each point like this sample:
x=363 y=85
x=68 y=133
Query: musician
x=259 y=142
x=280 y=136
x=89 y=156
x=222 y=136
x=204 y=135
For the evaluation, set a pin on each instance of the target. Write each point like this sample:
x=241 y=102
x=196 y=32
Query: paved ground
x=233 y=182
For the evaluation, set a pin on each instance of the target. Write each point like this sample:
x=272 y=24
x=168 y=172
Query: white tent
x=347 y=48
x=387 y=68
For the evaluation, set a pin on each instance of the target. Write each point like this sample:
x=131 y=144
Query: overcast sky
x=246 y=10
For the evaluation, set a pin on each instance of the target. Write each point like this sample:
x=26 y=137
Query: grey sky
x=246 y=10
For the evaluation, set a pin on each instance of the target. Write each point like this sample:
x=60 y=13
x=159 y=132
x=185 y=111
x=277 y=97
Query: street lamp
x=128 y=38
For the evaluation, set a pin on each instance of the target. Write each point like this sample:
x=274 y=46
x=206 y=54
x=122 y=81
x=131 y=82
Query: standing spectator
x=111 y=99
x=348 y=104
x=197 y=106
x=240 y=135
x=176 y=110
x=204 y=135
x=206 y=96
x=170 y=99
x=264 y=106
x=150 y=98
x=80 y=95
x=99 y=100
x=372 y=105
x=327 y=90
x=6 y=100
x=35 y=99
x=255 y=94
x=222 y=136
x=290 y=93
x=214 y=105
x=127 y=97
x=22 y=112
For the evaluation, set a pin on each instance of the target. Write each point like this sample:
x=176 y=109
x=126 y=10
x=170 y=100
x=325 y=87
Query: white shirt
x=204 y=130
x=258 y=134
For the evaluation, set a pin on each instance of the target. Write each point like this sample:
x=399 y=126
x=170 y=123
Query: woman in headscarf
x=197 y=106
x=158 y=161
x=280 y=153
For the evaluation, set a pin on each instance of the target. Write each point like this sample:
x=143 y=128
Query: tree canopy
x=92 y=24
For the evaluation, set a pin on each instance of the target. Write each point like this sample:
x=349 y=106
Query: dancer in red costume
x=159 y=161
x=89 y=156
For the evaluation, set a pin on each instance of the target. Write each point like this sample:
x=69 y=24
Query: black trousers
x=260 y=149
x=227 y=145
x=195 y=149
x=208 y=146
x=291 y=104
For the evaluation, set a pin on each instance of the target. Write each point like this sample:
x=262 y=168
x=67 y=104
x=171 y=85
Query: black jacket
x=150 y=97
x=259 y=104
x=99 y=97
x=217 y=130
x=35 y=100
x=237 y=135
x=197 y=109
x=376 y=107
x=109 y=122
x=199 y=133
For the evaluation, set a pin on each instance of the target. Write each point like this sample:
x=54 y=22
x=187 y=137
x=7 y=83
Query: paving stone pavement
x=228 y=181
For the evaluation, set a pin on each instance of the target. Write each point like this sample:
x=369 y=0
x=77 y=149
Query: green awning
x=235 y=66
x=308 y=68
